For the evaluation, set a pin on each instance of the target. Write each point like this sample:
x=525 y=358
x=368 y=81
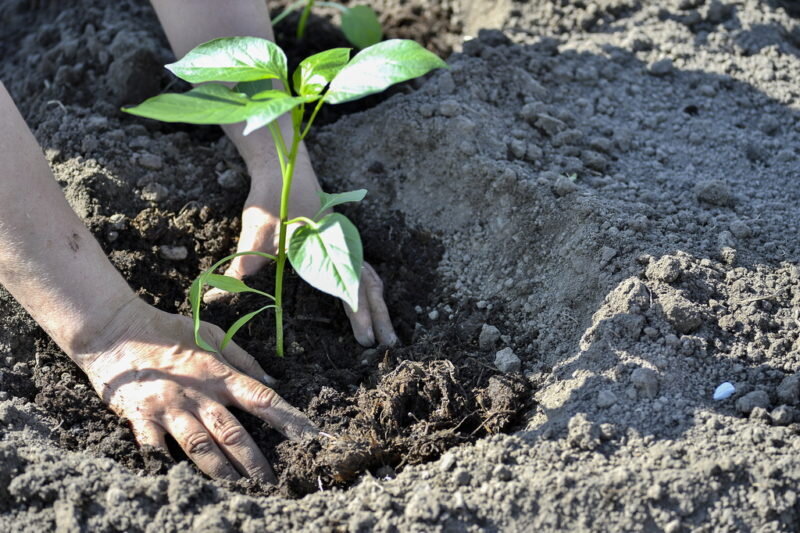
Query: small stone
x=434 y=315
x=447 y=461
x=751 y=400
x=661 y=68
x=151 y=161
x=582 y=433
x=783 y=415
x=789 y=389
x=229 y=179
x=606 y=398
x=607 y=254
x=594 y=160
x=550 y=125
x=740 y=230
x=488 y=337
x=715 y=192
x=461 y=477
x=507 y=361
x=154 y=192
x=646 y=381
x=173 y=253
x=518 y=148
x=667 y=269
x=449 y=108
x=502 y=472
x=673 y=526
x=117 y=221
x=684 y=316
x=564 y=186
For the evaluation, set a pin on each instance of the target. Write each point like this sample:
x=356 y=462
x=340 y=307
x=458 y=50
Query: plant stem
x=286 y=191
x=301 y=25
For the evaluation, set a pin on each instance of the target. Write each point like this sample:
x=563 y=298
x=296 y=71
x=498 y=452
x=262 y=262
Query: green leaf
x=329 y=257
x=207 y=104
x=268 y=95
x=328 y=201
x=194 y=299
x=232 y=59
x=375 y=68
x=361 y=26
x=238 y=325
x=268 y=110
x=251 y=88
x=227 y=283
x=315 y=72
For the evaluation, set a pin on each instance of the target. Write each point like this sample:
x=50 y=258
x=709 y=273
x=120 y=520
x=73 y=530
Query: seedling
x=360 y=24
x=325 y=250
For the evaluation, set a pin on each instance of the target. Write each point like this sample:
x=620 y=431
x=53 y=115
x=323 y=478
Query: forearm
x=49 y=261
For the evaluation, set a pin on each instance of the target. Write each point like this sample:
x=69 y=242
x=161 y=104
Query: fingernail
x=269 y=380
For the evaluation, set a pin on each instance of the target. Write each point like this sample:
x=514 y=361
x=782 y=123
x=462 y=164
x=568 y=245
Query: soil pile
x=602 y=195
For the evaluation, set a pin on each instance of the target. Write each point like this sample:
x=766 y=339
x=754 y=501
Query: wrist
x=104 y=332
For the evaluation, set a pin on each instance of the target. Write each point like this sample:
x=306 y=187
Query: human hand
x=154 y=375
x=260 y=227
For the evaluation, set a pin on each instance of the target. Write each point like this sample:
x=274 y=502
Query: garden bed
x=607 y=190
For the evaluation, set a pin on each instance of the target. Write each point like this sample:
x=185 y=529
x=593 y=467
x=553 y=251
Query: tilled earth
x=605 y=191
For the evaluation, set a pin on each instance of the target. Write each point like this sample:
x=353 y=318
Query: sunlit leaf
x=329 y=257
x=375 y=68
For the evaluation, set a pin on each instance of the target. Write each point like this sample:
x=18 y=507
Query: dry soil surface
x=597 y=204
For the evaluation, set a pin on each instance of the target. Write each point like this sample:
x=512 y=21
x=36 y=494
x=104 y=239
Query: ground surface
x=610 y=184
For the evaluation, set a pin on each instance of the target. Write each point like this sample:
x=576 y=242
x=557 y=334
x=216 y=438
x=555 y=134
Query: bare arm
x=48 y=259
x=141 y=361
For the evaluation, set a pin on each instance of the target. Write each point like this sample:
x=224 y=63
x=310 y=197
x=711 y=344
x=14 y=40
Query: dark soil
x=381 y=409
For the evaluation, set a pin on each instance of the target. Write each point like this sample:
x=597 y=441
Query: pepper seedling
x=325 y=250
x=360 y=24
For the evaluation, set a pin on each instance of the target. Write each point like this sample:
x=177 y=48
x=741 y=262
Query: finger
x=257 y=234
x=381 y=322
x=361 y=320
x=246 y=363
x=236 y=443
x=199 y=446
x=249 y=395
x=149 y=433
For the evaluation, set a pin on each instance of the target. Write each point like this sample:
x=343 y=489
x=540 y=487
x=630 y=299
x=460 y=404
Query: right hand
x=154 y=375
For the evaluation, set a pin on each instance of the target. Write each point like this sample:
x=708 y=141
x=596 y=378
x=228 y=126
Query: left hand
x=260 y=226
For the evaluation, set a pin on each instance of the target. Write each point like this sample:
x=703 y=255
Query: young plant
x=325 y=250
x=360 y=24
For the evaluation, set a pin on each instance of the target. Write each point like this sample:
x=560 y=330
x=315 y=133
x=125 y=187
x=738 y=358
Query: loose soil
x=611 y=184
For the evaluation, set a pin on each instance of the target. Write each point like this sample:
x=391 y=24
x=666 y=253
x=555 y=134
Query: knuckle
x=232 y=435
x=218 y=368
x=198 y=444
x=263 y=397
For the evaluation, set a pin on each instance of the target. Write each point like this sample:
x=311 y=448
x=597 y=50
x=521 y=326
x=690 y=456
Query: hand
x=260 y=226
x=154 y=375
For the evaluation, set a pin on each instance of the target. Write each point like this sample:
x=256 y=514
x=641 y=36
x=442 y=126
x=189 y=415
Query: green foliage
x=232 y=59
x=329 y=201
x=315 y=72
x=380 y=66
x=361 y=26
x=328 y=256
x=326 y=252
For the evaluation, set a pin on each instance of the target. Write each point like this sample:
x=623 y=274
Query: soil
x=610 y=184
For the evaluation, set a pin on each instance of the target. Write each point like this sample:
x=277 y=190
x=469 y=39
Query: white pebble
x=724 y=391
